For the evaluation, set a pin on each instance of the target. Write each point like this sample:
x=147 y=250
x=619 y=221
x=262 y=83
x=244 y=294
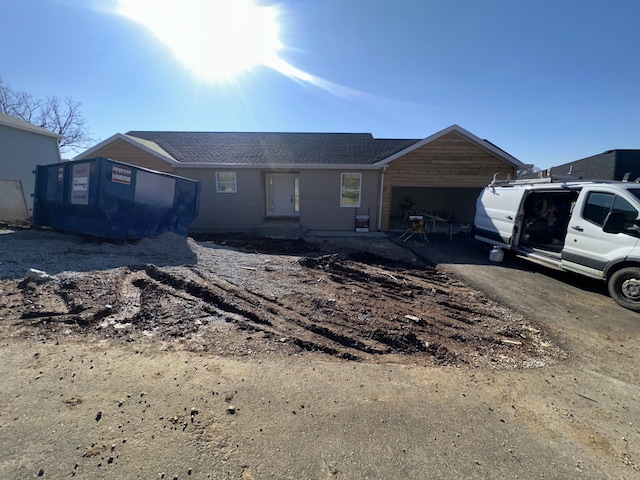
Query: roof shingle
x=266 y=148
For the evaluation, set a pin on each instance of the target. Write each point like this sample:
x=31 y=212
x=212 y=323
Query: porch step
x=280 y=229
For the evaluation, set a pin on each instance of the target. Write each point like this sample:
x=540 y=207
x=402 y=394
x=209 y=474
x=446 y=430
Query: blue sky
x=549 y=81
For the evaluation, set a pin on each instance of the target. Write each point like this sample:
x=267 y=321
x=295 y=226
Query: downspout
x=384 y=168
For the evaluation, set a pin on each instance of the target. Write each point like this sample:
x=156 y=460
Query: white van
x=591 y=228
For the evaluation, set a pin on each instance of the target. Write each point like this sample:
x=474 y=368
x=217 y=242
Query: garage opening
x=456 y=204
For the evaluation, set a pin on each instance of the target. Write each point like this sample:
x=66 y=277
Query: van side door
x=588 y=247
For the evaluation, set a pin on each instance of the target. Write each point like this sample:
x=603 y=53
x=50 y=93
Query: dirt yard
x=363 y=301
x=170 y=326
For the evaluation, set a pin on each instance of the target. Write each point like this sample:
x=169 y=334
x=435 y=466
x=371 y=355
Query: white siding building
x=22 y=147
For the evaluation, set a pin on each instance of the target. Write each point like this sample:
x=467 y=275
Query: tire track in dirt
x=266 y=315
x=336 y=306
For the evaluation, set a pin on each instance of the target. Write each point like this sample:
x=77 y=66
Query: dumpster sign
x=80 y=184
x=121 y=175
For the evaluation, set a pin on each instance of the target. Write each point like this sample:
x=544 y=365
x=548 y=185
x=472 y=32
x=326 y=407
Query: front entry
x=282 y=195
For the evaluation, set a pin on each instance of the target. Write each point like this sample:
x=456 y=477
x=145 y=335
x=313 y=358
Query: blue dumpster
x=113 y=200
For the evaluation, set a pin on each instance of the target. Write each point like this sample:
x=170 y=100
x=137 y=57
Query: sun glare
x=215 y=39
x=218 y=39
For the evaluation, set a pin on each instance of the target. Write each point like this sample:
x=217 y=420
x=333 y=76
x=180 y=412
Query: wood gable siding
x=122 y=151
x=449 y=161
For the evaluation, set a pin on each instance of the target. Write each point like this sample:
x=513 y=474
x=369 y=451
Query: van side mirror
x=614 y=223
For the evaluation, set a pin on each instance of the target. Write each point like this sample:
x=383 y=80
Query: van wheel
x=624 y=287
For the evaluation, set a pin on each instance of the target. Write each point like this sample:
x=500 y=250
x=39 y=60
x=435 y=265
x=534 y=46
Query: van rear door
x=497 y=213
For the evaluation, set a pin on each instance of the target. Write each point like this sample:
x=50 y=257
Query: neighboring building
x=317 y=181
x=22 y=147
x=610 y=165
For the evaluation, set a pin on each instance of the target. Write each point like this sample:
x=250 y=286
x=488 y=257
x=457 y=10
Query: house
x=609 y=165
x=317 y=181
x=22 y=147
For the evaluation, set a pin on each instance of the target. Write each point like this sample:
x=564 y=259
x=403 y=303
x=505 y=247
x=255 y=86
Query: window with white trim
x=350 y=189
x=226 y=182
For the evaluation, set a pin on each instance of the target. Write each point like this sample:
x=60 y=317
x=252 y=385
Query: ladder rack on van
x=531 y=181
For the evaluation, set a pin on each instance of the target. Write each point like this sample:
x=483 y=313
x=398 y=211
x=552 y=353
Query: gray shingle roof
x=256 y=148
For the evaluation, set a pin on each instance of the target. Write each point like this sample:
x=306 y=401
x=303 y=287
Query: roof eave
x=14 y=122
x=282 y=166
x=131 y=140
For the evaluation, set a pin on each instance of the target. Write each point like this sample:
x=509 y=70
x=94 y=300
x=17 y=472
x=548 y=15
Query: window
x=597 y=207
x=620 y=205
x=600 y=204
x=350 y=190
x=226 y=182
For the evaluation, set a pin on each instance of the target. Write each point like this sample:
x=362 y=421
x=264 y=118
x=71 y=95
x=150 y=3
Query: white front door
x=282 y=195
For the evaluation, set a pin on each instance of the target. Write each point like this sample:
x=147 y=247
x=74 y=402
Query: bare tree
x=59 y=116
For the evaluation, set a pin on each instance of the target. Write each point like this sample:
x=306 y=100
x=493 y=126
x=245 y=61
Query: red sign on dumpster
x=121 y=175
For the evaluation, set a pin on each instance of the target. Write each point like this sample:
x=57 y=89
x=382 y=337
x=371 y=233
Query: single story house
x=609 y=165
x=22 y=147
x=317 y=181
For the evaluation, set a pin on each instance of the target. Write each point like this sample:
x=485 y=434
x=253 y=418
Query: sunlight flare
x=219 y=39
x=215 y=39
